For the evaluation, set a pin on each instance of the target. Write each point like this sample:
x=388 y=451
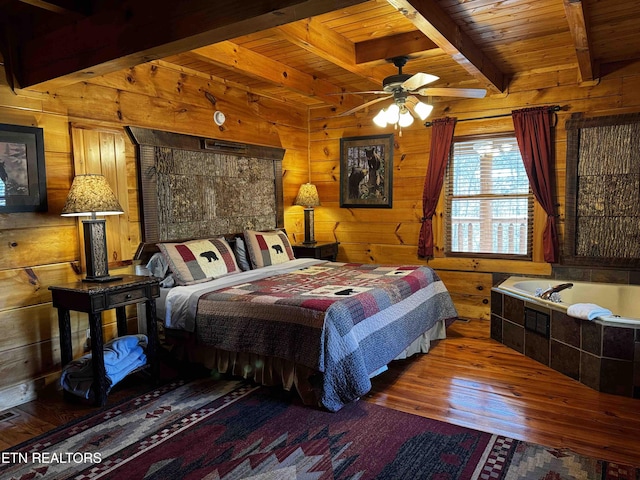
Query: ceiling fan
x=403 y=87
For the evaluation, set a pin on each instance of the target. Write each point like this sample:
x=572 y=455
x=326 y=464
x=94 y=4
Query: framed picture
x=366 y=171
x=23 y=183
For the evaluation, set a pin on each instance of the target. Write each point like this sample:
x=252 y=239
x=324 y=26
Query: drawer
x=122 y=298
x=328 y=250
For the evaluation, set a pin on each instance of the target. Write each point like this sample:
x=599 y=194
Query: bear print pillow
x=268 y=248
x=199 y=260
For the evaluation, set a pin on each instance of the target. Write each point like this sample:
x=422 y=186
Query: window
x=489 y=205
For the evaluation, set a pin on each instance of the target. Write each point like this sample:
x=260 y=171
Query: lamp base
x=95 y=249
x=309 y=237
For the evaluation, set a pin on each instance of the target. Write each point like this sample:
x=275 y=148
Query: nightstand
x=94 y=298
x=319 y=250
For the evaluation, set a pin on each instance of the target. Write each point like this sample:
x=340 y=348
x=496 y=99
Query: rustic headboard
x=194 y=187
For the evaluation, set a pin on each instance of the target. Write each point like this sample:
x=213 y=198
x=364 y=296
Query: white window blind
x=489 y=205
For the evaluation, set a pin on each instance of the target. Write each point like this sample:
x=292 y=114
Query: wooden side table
x=319 y=250
x=94 y=298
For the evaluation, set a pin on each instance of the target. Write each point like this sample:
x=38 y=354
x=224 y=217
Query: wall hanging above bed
x=193 y=187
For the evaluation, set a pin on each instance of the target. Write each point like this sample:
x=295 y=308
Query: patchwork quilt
x=343 y=320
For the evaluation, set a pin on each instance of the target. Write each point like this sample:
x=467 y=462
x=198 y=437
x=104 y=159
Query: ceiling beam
x=143 y=30
x=236 y=57
x=575 y=11
x=429 y=17
x=314 y=37
x=392 y=46
x=63 y=7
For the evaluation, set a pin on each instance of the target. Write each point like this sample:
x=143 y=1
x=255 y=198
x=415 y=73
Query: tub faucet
x=546 y=295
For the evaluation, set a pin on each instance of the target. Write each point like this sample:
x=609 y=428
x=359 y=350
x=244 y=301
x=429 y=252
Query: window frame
x=448 y=198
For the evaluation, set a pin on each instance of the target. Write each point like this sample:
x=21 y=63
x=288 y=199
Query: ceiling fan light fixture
x=423 y=110
x=403 y=88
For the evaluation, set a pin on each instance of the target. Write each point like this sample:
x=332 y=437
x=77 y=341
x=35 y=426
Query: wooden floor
x=467 y=379
x=471 y=380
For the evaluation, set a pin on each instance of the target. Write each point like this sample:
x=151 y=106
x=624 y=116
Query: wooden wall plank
x=28 y=286
x=26 y=247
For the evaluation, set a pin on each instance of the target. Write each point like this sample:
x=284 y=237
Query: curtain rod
x=553 y=108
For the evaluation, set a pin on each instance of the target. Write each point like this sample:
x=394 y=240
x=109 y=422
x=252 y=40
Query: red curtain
x=441 y=137
x=533 y=132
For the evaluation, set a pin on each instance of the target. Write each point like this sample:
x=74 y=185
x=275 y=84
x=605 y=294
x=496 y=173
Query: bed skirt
x=272 y=371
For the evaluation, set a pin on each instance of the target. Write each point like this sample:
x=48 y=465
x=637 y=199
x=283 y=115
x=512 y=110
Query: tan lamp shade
x=307 y=196
x=91 y=194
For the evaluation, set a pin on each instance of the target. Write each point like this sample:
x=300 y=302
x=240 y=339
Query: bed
x=249 y=307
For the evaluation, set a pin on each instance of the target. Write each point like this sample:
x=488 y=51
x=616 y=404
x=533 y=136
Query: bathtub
x=622 y=300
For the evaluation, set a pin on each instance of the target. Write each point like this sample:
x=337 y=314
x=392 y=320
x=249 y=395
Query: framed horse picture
x=366 y=171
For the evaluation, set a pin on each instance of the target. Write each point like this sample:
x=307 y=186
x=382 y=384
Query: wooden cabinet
x=321 y=251
x=93 y=298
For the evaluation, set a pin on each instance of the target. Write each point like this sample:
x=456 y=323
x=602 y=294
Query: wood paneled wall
x=159 y=96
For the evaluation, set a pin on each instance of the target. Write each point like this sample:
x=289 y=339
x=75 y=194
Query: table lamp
x=308 y=198
x=91 y=195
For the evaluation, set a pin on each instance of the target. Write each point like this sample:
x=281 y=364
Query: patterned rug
x=219 y=430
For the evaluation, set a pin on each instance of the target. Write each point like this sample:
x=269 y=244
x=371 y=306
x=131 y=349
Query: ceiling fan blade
x=358 y=93
x=418 y=80
x=410 y=103
x=452 y=92
x=364 y=105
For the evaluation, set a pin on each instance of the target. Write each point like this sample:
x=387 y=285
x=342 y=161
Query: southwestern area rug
x=219 y=430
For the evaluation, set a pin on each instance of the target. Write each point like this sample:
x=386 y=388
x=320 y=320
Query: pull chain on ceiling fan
x=403 y=88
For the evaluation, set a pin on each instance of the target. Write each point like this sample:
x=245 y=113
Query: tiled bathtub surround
x=603 y=357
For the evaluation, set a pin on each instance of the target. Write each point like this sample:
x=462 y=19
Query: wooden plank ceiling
x=308 y=52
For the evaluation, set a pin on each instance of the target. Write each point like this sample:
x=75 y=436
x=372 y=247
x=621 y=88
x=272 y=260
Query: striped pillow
x=268 y=248
x=199 y=260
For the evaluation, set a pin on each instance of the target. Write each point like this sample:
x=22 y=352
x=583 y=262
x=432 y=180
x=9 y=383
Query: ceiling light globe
x=405 y=119
x=423 y=110
x=380 y=119
x=393 y=114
